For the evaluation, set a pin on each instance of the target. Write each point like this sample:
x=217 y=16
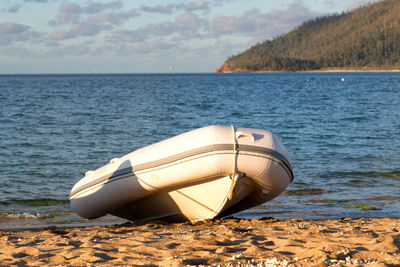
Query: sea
x=342 y=131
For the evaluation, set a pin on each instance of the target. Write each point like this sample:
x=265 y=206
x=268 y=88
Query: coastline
x=233 y=242
x=314 y=71
x=351 y=70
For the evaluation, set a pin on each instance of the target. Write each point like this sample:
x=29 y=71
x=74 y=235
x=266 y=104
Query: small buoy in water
x=342 y=80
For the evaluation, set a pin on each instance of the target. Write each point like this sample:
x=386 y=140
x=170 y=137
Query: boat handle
x=244 y=134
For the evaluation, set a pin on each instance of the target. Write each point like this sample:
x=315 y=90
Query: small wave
x=370 y=174
x=384 y=198
x=18 y=216
x=379 y=200
x=355 y=119
x=362 y=207
x=303 y=192
x=26 y=216
x=39 y=202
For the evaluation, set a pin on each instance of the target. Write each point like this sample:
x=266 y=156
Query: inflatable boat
x=202 y=174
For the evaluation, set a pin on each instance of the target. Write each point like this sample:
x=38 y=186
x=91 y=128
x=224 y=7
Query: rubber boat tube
x=205 y=173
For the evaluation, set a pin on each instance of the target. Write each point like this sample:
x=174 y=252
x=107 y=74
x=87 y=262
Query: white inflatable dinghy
x=205 y=173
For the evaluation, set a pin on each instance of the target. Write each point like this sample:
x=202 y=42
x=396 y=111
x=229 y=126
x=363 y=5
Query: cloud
x=160 y=29
x=83 y=25
x=221 y=2
x=5 y=40
x=264 y=25
x=129 y=36
x=82 y=29
x=143 y=34
x=12 y=28
x=88 y=29
x=11 y=32
x=36 y=1
x=93 y=7
x=70 y=8
x=357 y=3
x=68 y=13
x=73 y=50
x=161 y=9
x=14 y=9
x=17 y=52
x=193 y=6
x=60 y=35
x=131 y=47
x=151 y=46
x=253 y=24
x=185 y=26
x=71 y=12
x=170 y=8
x=113 y=17
x=231 y=24
x=191 y=25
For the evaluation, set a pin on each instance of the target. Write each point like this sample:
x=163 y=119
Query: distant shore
x=354 y=70
x=312 y=71
x=226 y=242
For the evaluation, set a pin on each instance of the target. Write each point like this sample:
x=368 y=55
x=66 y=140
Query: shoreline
x=334 y=71
x=233 y=242
x=316 y=71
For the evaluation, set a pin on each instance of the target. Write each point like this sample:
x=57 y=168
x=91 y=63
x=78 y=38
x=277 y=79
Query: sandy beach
x=226 y=242
x=311 y=71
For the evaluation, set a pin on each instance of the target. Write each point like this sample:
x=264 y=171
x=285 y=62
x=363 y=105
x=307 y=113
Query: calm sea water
x=344 y=137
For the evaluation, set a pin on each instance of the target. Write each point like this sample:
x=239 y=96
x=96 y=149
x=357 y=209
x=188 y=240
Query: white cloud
x=36 y=1
x=162 y=9
x=90 y=8
x=113 y=17
x=186 y=25
x=12 y=28
x=82 y=29
x=193 y=6
x=72 y=50
x=160 y=29
x=189 y=24
x=70 y=8
x=221 y=2
x=128 y=36
x=88 y=29
x=97 y=7
x=59 y=35
x=170 y=8
x=68 y=13
x=84 y=25
x=71 y=12
x=262 y=25
x=151 y=46
x=11 y=32
x=17 y=52
x=14 y=8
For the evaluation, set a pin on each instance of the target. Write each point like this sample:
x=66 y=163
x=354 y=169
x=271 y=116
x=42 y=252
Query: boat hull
x=194 y=176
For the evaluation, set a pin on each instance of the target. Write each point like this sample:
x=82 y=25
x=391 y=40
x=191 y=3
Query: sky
x=121 y=36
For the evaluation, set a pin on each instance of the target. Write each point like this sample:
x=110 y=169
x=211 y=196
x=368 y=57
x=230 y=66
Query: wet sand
x=226 y=242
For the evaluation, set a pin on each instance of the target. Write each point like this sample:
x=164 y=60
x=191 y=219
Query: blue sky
x=117 y=36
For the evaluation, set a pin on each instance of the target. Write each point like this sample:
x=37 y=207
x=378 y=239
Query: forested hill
x=366 y=38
